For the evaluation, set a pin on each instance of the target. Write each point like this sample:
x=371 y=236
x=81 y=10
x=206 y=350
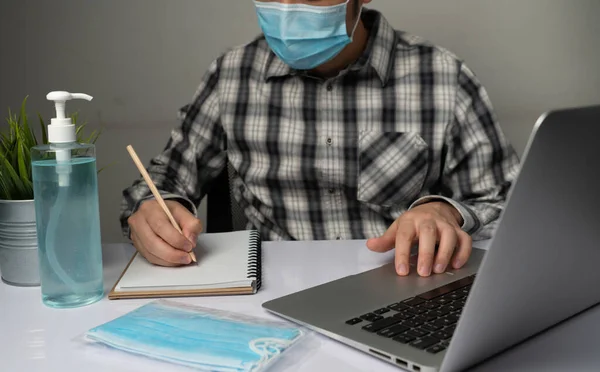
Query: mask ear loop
x=357 y=19
x=267 y=348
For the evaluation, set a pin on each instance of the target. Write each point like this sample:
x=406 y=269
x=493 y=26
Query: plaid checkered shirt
x=343 y=157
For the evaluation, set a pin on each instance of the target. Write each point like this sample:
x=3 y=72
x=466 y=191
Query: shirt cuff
x=471 y=222
x=166 y=196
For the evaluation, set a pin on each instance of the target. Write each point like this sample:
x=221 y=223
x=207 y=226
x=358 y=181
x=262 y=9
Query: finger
x=463 y=252
x=427 y=240
x=147 y=255
x=447 y=246
x=160 y=224
x=385 y=242
x=404 y=239
x=159 y=248
x=190 y=225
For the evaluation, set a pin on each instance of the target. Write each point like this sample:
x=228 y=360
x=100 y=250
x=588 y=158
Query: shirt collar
x=277 y=68
x=379 y=53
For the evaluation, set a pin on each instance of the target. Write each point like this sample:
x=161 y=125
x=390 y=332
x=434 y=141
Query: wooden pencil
x=155 y=192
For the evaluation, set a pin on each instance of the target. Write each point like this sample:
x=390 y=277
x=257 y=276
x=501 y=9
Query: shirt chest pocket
x=392 y=167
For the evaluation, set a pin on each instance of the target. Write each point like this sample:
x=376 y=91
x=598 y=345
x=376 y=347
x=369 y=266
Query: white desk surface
x=36 y=338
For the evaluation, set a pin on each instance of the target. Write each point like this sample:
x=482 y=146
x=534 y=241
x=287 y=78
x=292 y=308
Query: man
x=338 y=127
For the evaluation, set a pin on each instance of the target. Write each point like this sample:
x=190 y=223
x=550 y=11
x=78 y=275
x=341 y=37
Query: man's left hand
x=430 y=224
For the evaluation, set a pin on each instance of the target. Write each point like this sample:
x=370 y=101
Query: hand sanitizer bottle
x=65 y=191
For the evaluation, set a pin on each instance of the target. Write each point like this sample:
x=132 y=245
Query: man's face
x=352 y=12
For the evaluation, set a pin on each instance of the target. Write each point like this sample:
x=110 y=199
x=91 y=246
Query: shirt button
x=329 y=141
x=338 y=238
x=332 y=191
x=329 y=87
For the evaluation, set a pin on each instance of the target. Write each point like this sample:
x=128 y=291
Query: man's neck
x=348 y=55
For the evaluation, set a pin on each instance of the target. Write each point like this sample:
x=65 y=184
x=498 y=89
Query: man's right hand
x=157 y=240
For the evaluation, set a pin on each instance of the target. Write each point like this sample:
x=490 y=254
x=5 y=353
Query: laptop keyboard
x=426 y=322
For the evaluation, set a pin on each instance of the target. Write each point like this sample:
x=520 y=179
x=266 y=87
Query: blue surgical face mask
x=200 y=340
x=305 y=36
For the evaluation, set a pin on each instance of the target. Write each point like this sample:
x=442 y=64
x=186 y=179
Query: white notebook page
x=222 y=258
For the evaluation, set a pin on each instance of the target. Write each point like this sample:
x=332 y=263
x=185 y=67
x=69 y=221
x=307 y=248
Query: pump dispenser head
x=61 y=128
x=61 y=131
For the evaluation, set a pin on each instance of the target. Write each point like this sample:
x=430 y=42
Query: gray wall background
x=143 y=59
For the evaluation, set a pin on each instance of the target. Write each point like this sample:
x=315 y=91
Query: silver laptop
x=542 y=267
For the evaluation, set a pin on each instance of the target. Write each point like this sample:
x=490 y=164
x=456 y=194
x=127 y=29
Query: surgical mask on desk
x=205 y=340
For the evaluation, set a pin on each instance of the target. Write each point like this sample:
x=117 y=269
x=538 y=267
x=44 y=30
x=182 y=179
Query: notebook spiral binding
x=255 y=258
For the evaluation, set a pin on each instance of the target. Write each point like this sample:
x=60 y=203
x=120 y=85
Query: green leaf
x=25 y=125
x=92 y=138
x=4 y=188
x=79 y=129
x=24 y=170
x=11 y=154
x=12 y=123
x=23 y=157
x=98 y=135
x=107 y=166
x=28 y=138
x=44 y=132
x=4 y=142
x=12 y=176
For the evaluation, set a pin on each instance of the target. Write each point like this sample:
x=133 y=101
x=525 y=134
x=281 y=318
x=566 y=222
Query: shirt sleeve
x=480 y=164
x=193 y=157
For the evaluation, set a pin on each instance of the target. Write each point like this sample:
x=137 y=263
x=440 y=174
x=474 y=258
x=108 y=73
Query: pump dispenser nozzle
x=62 y=130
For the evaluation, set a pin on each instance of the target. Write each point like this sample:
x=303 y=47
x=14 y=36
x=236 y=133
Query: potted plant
x=18 y=237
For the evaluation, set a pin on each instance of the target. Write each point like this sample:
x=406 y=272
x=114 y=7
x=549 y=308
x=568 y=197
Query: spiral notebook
x=228 y=264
